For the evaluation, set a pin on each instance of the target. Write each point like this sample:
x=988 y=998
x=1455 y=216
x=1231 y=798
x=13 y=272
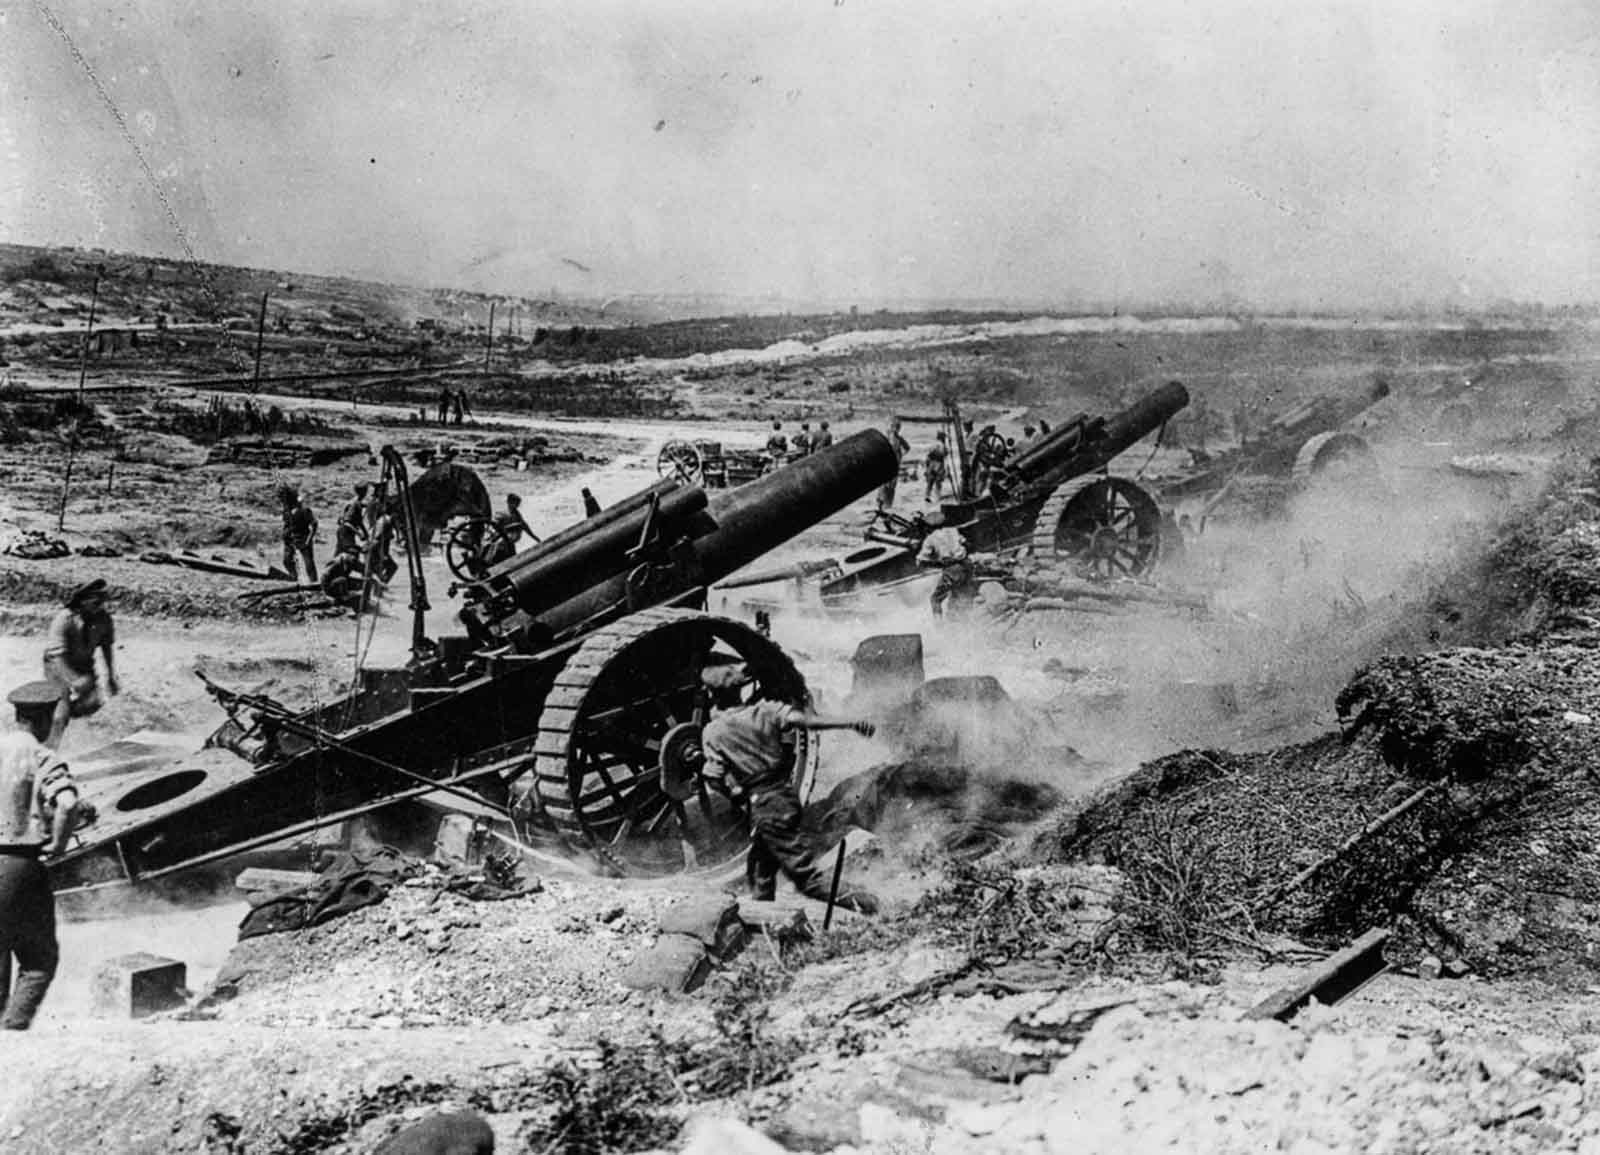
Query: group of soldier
x=782 y=448
x=362 y=562
x=40 y=807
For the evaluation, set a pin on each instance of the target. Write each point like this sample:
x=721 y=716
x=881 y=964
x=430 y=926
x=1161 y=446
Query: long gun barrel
x=1086 y=444
x=672 y=542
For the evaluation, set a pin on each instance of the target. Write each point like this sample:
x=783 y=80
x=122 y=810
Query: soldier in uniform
x=351 y=532
x=83 y=628
x=901 y=448
x=823 y=439
x=934 y=467
x=803 y=445
x=945 y=549
x=299 y=531
x=777 y=445
x=750 y=755
x=39 y=810
x=512 y=525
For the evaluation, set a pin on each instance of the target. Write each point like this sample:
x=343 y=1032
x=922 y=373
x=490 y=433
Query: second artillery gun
x=1057 y=497
x=569 y=712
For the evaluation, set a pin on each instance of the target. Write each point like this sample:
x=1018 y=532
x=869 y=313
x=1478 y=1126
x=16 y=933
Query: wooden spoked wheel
x=681 y=460
x=1103 y=525
x=618 y=756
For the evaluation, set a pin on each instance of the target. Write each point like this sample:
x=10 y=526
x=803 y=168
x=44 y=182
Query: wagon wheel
x=682 y=460
x=1107 y=526
x=617 y=762
x=1335 y=456
x=471 y=544
x=990 y=451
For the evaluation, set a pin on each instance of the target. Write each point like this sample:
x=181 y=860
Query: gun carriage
x=568 y=710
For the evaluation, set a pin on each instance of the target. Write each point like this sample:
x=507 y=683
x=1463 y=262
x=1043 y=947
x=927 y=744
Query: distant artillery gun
x=570 y=711
x=1056 y=498
x=1298 y=447
x=715 y=466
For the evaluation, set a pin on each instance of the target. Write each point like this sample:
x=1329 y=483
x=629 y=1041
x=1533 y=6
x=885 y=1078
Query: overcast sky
x=853 y=150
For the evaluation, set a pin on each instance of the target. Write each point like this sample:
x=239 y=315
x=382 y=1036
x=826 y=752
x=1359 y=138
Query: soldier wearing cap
x=77 y=633
x=39 y=809
x=749 y=755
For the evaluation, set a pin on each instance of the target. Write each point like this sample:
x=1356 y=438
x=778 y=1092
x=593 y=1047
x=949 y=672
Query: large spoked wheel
x=681 y=460
x=618 y=760
x=1336 y=457
x=1104 y=526
x=472 y=547
x=990 y=452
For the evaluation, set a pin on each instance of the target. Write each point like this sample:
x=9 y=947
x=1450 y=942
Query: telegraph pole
x=488 y=351
x=88 y=335
x=261 y=332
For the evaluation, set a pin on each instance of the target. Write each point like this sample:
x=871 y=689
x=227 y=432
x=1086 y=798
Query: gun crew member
x=39 y=809
x=749 y=755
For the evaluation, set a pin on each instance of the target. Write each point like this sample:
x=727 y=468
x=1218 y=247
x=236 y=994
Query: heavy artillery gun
x=1056 y=497
x=1296 y=447
x=570 y=710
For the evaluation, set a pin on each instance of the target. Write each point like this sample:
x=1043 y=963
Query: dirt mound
x=1459 y=803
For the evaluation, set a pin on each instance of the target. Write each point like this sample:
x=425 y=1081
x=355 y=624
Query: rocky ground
x=1078 y=979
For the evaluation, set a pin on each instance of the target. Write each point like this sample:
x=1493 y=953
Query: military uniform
x=75 y=636
x=745 y=749
x=299 y=530
x=946 y=549
x=33 y=782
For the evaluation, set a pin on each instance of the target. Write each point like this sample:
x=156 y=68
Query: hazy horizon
x=1336 y=156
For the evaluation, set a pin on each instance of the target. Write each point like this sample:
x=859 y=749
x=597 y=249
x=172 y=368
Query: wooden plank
x=1334 y=979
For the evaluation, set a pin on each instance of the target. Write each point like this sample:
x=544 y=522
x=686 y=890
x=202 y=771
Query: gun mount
x=570 y=711
x=1298 y=446
x=1056 y=496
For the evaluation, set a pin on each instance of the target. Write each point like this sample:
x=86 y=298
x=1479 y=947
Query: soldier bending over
x=749 y=752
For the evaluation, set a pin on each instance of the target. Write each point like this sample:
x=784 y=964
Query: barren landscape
x=1351 y=706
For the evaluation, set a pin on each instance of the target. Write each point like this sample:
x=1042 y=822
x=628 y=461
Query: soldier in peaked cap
x=77 y=633
x=38 y=812
x=749 y=755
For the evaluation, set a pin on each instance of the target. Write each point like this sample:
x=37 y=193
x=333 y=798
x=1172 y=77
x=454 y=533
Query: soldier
x=901 y=448
x=777 y=444
x=352 y=530
x=39 y=810
x=77 y=632
x=444 y=404
x=802 y=443
x=512 y=525
x=749 y=756
x=299 y=531
x=346 y=582
x=1028 y=434
x=934 y=467
x=823 y=439
x=946 y=549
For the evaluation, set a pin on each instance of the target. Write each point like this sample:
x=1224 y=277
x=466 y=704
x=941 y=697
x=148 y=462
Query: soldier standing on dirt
x=38 y=812
x=901 y=447
x=351 y=531
x=444 y=405
x=76 y=633
x=823 y=439
x=777 y=444
x=803 y=444
x=299 y=531
x=460 y=406
x=748 y=757
x=933 y=468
